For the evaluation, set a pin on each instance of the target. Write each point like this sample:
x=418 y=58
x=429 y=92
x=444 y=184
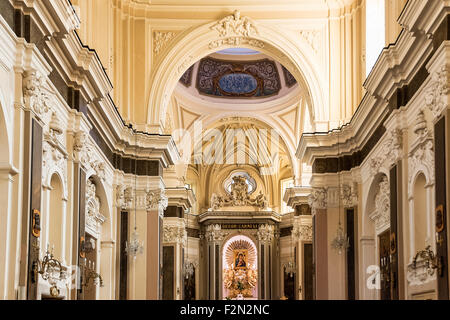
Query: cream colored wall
x=132 y=39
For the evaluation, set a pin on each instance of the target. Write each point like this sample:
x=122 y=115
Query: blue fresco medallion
x=238 y=83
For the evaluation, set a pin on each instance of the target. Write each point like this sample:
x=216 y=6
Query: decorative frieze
x=160 y=40
x=236 y=41
x=34 y=94
x=266 y=233
x=157 y=200
x=349 y=196
x=124 y=197
x=214 y=233
x=175 y=234
x=84 y=152
x=382 y=213
x=391 y=151
x=318 y=199
x=302 y=232
x=235 y=25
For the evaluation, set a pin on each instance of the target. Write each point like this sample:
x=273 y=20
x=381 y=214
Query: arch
x=420 y=169
x=56 y=216
x=420 y=208
x=194 y=44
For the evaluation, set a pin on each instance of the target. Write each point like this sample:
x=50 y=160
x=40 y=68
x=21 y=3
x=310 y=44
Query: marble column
x=214 y=236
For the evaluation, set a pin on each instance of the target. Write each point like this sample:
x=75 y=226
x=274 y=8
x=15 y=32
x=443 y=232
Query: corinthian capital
x=157 y=200
x=318 y=198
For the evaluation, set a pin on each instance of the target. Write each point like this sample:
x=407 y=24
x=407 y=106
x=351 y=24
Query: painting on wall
x=240 y=259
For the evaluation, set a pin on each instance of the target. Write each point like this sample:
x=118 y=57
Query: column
x=214 y=237
x=318 y=202
x=156 y=204
x=265 y=236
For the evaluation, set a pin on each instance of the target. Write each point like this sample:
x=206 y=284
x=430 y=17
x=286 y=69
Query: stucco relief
x=175 y=234
x=436 y=93
x=235 y=25
x=266 y=233
x=156 y=200
x=382 y=213
x=34 y=93
x=160 y=40
x=318 y=199
x=302 y=232
x=390 y=152
x=94 y=219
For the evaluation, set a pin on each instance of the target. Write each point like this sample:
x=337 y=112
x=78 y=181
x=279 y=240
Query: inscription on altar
x=240 y=226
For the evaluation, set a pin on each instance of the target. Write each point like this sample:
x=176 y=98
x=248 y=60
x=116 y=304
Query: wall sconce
x=50 y=270
x=429 y=259
x=91 y=274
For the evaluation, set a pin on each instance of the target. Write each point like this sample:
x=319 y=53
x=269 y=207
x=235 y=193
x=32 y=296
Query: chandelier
x=340 y=241
x=50 y=270
x=91 y=274
x=189 y=268
x=134 y=247
x=290 y=268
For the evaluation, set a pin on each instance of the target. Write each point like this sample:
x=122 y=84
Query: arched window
x=55 y=216
x=375 y=31
x=420 y=213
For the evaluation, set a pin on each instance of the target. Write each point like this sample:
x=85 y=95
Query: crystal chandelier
x=340 y=241
x=189 y=268
x=134 y=247
x=290 y=266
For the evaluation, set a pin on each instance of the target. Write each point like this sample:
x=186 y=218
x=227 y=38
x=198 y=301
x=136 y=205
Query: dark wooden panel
x=123 y=276
x=217 y=271
x=81 y=227
x=351 y=279
x=441 y=208
x=289 y=285
x=263 y=258
x=173 y=212
x=308 y=271
x=393 y=242
x=189 y=287
x=168 y=273
x=35 y=203
x=385 y=266
x=285 y=232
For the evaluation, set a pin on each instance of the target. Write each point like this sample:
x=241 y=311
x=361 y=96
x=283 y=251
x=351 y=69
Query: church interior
x=224 y=150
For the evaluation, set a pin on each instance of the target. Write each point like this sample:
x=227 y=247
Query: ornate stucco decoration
x=318 y=199
x=34 y=94
x=160 y=40
x=391 y=151
x=235 y=31
x=349 y=196
x=235 y=25
x=157 y=200
x=53 y=160
x=174 y=234
x=55 y=128
x=238 y=196
x=124 y=197
x=266 y=233
x=214 y=233
x=422 y=156
x=436 y=93
x=94 y=219
x=382 y=213
x=311 y=37
x=302 y=232
x=84 y=152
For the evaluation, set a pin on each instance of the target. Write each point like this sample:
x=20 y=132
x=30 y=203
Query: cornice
x=396 y=67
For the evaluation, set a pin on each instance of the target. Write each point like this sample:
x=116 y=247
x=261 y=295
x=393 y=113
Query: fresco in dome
x=238 y=79
x=238 y=83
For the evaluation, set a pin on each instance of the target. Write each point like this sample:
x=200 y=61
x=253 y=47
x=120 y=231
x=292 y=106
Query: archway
x=240 y=268
x=193 y=45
